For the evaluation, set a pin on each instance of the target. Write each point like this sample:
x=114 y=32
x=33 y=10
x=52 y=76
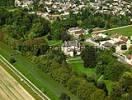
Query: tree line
x=54 y=64
x=24 y=32
x=107 y=66
x=7 y=3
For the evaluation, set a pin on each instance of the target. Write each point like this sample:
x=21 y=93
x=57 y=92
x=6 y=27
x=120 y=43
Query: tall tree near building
x=89 y=55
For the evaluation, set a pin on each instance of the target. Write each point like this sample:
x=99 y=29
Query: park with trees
x=30 y=34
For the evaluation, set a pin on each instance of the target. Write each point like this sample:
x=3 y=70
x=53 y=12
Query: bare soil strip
x=10 y=89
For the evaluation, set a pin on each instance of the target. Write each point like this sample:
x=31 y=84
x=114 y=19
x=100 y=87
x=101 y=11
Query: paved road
x=112 y=29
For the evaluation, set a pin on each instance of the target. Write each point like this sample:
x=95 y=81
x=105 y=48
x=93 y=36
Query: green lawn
x=54 y=42
x=77 y=66
x=127 y=31
x=88 y=35
x=35 y=75
x=109 y=85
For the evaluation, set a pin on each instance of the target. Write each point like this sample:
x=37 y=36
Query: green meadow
x=126 y=31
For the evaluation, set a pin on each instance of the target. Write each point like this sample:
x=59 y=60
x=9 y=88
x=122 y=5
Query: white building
x=71 y=48
x=76 y=31
x=24 y=3
x=122 y=40
x=99 y=35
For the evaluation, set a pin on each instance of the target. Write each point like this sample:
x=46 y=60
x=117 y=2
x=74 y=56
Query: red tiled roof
x=79 y=32
x=120 y=42
x=129 y=56
x=124 y=39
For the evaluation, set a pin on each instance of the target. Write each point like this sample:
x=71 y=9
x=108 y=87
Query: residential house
x=129 y=59
x=76 y=31
x=119 y=42
x=122 y=41
x=99 y=36
x=107 y=44
x=71 y=48
x=24 y=3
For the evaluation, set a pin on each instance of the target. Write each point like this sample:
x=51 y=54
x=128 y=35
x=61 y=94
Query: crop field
x=10 y=89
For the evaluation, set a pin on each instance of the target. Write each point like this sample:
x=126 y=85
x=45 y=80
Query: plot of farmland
x=10 y=89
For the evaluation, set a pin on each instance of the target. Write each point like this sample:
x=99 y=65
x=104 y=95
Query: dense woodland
x=7 y=3
x=30 y=33
x=24 y=31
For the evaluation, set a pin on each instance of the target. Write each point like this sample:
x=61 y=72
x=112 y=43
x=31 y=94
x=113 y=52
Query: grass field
x=10 y=89
x=127 y=31
x=109 y=85
x=77 y=65
x=54 y=42
x=36 y=76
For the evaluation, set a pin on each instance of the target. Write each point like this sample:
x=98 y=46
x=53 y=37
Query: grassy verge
x=109 y=85
x=54 y=42
x=127 y=31
x=35 y=75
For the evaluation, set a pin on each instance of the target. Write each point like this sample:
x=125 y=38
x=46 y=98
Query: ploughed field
x=10 y=89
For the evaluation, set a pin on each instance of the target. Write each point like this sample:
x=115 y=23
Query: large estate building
x=71 y=48
x=76 y=31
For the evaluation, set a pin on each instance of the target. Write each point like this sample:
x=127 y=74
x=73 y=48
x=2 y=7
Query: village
x=121 y=45
x=52 y=9
x=114 y=7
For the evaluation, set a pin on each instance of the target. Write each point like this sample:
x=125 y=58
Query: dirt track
x=10 y=89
